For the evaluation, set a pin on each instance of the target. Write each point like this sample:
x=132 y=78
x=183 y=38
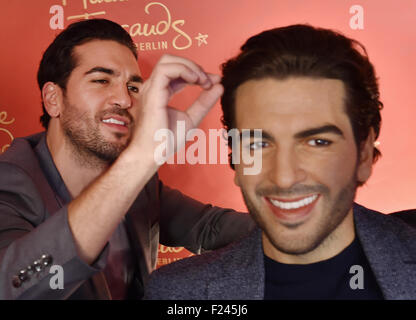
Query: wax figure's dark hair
x=302 y=50
x=58 y=61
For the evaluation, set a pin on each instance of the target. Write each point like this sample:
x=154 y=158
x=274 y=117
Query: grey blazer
x=237 y=271
x=34 y=230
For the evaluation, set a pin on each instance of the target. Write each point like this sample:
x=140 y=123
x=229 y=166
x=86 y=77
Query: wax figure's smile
x=292 y=210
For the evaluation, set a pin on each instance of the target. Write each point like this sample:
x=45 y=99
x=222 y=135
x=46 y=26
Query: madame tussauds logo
x=181 y=40
x=163 y=26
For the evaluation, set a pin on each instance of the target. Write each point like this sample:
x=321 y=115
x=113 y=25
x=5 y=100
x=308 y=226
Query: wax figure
x=84 y=196
x=314 y=94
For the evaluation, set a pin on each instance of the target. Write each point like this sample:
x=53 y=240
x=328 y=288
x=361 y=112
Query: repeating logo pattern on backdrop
x=6 y=136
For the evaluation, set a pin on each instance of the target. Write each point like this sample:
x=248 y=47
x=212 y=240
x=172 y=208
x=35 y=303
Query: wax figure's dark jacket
x=236 y=272
x=34 y=231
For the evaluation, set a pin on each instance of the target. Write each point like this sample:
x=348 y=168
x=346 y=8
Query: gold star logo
x=202 y=39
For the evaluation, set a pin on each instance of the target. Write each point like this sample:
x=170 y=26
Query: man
x=84 y=197
x=313 y=93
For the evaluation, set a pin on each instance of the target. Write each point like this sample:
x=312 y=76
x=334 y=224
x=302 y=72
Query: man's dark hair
x=58 y=61
x=302 y=50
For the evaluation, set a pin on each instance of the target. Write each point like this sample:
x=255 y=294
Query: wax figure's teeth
x=294 y=204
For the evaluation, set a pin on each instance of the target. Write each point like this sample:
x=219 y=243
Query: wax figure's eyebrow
x=323 y=129
x=111 y=72
x=264 y=134
x=303 y=134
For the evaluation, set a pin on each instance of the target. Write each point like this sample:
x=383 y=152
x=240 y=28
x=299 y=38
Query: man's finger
x=164 y=75
x=215 y=78
x=205 y=81
x=204 y=103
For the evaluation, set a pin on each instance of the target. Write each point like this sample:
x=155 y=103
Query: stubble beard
x=89 y=146
x=336 y=212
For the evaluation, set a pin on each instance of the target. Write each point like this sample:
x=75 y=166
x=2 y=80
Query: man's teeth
x=294 y=204
x=111 y=120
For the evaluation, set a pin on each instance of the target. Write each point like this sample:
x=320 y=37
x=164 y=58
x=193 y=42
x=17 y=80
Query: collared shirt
x=119 y=261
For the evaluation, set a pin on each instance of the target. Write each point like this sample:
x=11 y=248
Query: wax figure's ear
x=236 y=182
x=51 y=95
x=236 y=169
x=365 y=163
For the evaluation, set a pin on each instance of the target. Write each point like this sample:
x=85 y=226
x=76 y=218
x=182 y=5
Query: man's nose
x=120 y=96
x=286 y=170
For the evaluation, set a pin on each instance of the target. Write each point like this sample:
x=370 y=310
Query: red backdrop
x=210 y=32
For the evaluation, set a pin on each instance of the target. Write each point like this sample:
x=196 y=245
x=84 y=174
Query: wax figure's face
x=101 y=91
x=310 y=167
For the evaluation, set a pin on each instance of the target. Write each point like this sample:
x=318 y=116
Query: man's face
x=303 y=196
x=100 y=93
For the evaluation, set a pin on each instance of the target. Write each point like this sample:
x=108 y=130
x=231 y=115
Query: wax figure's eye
x=258 y=145
x=319 y=142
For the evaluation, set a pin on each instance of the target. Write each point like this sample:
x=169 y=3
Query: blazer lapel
x=240 y=274
x=391 y=251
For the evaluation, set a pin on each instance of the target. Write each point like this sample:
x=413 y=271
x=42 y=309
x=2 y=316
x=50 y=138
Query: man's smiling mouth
x=114 y=121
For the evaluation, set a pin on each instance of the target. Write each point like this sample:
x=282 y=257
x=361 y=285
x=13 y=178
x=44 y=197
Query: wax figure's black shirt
x=328 y=279
x=119 y=261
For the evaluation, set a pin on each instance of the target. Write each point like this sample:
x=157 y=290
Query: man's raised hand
x=170 y=75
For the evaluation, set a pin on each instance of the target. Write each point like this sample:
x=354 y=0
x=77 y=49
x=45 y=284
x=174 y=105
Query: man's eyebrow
x=100 y=69
x=136 y=78
x=323 y=129
x=111 y=72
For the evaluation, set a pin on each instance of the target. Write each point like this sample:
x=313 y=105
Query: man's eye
x=319 y=142
x=258 y=145
x=101 y=81
x=133 y=89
